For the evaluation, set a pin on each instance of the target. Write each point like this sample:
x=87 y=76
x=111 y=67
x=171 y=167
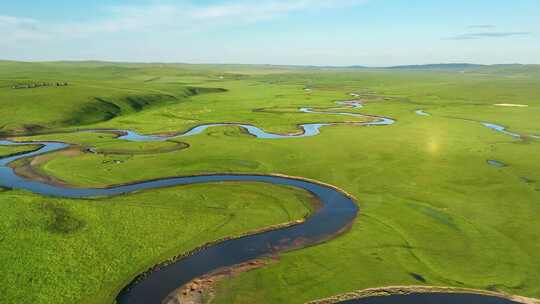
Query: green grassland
x=12 y=150
x=85 y=251
x=432 y=210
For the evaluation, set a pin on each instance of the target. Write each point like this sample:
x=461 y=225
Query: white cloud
x=14 y=29
x=249 y=10
x=185 y=17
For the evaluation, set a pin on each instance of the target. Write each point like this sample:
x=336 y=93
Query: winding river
x=492 y=126
x=432 y=298
x=336 y=214
x=500 y=129
x=308 y=130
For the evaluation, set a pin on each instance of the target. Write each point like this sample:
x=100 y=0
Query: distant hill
x=439 y=66
x=449 y=67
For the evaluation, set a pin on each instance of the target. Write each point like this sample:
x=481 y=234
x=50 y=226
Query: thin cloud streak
x=483 y=35
x=481 y=26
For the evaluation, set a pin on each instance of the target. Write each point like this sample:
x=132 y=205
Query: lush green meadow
x=85 y=251
x=432 y=210
x=6 y=151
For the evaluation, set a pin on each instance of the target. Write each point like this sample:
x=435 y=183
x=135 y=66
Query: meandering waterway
x=337 y=212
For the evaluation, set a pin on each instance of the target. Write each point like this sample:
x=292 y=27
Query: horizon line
x=269 y=64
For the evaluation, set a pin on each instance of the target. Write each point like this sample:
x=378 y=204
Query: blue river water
x=337 y=212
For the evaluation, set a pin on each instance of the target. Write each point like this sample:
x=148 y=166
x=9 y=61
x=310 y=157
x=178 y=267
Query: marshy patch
x=61 y=220
x=418 y=277
x=436 y=215
x=496 y=163
x=422 y=113
x=527 y=180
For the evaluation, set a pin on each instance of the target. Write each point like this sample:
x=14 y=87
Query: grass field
x=7 y=151
x=69 y=251
x=433 y=211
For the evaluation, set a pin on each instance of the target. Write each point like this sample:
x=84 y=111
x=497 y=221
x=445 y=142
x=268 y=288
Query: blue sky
x=315 y=32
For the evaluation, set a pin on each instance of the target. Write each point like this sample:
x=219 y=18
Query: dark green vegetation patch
x=61 y=220
x=92 y=112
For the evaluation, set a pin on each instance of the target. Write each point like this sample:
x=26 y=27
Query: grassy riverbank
x=6 y=151
x=433 y=211
x=84 y=251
